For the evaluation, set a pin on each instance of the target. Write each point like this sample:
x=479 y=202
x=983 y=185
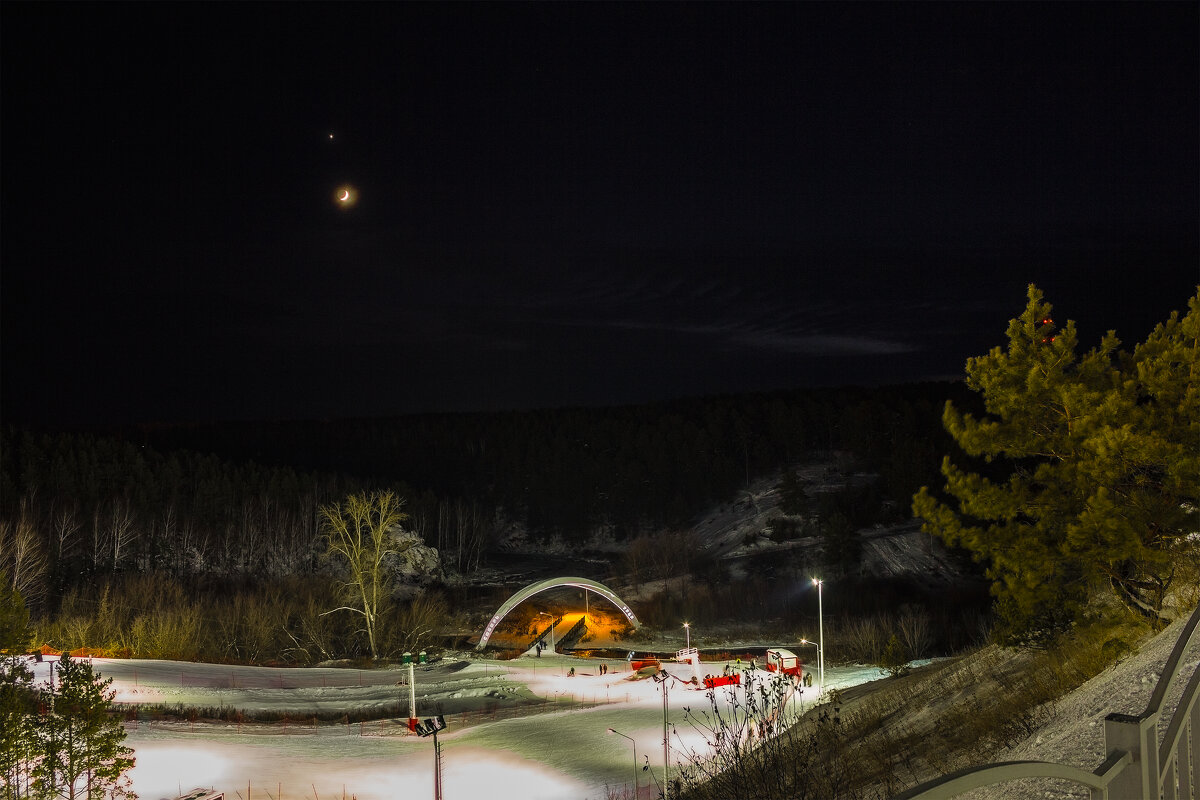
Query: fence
x=294 y=723
x=1138 y=765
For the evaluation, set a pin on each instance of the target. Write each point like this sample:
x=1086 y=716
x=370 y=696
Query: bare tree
x=864 y=638
x=416 y=621
x=22 y=555
x=915 y=631
x=358 y=533
x=64 y=530
x=165 y=539
x=759 y=745
x=113 y=532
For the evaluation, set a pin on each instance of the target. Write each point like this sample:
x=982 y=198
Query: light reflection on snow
x=487 y=773
x=167 y=770
x=561 y=751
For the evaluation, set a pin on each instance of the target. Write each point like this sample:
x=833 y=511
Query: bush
x=157 y=616
x=894 y=659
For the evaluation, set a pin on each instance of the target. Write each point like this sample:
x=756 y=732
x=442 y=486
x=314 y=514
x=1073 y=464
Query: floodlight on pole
x=430 y=727
x=687 y=632
x=635 y=775
x=817 y=582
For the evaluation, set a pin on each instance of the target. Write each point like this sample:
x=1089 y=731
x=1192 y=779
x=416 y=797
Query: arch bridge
x=554 y=583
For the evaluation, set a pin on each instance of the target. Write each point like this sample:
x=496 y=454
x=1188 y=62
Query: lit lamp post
x=820 y=655
x=635 y=777
x=820 y=635
x=551 y=616
x=687 y=632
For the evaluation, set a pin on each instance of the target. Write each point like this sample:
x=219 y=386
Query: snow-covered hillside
x=1075 y=734
x=738 y=530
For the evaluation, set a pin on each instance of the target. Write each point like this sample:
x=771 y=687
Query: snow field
x=519 y=728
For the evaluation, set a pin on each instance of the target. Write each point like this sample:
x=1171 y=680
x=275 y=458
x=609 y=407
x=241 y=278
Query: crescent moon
x=345 y=195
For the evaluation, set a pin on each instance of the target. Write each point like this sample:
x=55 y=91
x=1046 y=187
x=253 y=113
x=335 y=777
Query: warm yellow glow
x=345 y=196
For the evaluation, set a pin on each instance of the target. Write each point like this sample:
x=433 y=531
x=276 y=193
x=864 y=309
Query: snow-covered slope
x=531 y=728
x=1075 y=734
x=737 y=530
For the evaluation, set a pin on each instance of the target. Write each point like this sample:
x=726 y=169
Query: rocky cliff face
x=413 y=562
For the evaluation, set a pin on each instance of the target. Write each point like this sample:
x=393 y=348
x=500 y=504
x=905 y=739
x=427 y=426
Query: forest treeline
x=242 y=499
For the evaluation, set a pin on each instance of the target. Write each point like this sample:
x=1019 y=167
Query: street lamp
x=687 y=632
x=635 y=777
x=551 y=616
x=820 y=654
x=817 y=582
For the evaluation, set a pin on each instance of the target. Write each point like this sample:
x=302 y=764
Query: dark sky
x=566 y=204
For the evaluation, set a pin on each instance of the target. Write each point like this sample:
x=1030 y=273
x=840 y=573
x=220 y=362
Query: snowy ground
x=1075 y=734
x=518 y=728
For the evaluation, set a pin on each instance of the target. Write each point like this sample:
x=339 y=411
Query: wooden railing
x=1138 y=766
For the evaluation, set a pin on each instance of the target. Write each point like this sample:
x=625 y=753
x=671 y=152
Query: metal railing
x=572 y=637
x=541 y=637
x=1137 y=767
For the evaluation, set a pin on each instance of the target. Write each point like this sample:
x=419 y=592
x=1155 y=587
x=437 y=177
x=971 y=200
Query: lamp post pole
x=666 y=747
x=635 y=777
x=551 y=616
x=820 y=636
x=662 y=678
x=437 y=768
x=820 y=655
x=687 y=632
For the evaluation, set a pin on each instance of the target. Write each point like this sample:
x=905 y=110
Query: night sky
x=563 y=205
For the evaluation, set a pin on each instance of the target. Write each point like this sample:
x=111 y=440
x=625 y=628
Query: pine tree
x=894 y=659
x=17 y=753
x=792 y=499
x=84 y=755
x=14 y=620
x=1089 y=470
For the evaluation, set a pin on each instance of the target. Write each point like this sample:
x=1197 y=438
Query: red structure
x=713 y=681
x=639 y=664
x=784 y=661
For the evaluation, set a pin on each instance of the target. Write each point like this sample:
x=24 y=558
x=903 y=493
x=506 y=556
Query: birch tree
x=358 y=536
x=22 y=556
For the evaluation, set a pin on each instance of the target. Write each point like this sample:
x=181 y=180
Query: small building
x=784 y=661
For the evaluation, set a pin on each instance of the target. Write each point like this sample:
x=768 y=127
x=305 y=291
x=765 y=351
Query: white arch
x=541 y=586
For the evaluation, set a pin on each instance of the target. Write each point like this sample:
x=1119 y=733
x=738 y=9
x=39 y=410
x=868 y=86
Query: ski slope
x=521 y=728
